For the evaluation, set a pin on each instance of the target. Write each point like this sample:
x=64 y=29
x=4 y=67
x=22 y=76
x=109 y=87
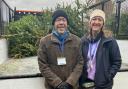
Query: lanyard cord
x=92 y=50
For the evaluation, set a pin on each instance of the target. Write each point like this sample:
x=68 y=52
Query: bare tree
x=124 y=8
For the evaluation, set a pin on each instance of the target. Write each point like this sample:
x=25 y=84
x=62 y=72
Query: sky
x=40 y=4
x=35 y=4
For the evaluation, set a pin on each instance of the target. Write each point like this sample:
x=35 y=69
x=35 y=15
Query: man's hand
x=64 y=85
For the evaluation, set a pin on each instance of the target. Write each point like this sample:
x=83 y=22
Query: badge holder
x=61 y=61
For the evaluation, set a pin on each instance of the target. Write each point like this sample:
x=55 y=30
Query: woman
x=102 y=54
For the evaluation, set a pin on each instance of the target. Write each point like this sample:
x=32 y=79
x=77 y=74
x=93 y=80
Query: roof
x=31 y=11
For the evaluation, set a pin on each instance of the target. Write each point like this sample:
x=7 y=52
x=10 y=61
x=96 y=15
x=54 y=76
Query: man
x=59 y=55
x=102 y=54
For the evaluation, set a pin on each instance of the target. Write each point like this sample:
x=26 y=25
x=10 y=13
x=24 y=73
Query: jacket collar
x=105 y=38
x=55 y=40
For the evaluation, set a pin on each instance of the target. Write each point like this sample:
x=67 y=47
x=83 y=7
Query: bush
x=24 y=36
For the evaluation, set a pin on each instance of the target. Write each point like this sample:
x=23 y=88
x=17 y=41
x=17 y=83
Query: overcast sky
x=35 y=4
x=39 y=4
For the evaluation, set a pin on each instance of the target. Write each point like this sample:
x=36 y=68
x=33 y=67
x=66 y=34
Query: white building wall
x=3 y=50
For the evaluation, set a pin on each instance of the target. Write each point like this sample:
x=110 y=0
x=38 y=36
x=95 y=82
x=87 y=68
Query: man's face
x=96 y=24
x=60 y=24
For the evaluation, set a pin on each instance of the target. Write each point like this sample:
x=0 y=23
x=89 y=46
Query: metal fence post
x=117 y=24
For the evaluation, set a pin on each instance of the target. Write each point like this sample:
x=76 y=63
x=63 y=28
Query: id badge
x=61 y=61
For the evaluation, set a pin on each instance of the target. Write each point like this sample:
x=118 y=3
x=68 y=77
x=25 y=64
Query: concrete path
x=120 y=82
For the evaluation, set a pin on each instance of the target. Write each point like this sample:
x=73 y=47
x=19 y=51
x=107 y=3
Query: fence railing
x=6 y=15
x=112 y=10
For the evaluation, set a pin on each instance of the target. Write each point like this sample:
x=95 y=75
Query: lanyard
x=92 y=50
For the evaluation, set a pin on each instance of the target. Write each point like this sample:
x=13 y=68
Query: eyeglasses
x=61 y=19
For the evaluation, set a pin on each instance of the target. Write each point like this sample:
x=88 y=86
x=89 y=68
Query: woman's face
x=96 y=24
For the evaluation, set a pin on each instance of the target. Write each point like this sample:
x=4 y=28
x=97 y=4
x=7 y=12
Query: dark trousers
x=86 y=81
x=96 y=88
x=106 y=87
x=109 y=87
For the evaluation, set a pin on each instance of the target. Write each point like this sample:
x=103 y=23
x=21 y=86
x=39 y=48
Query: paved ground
x=26 y=66
x=123 y=45
x=120 y=82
